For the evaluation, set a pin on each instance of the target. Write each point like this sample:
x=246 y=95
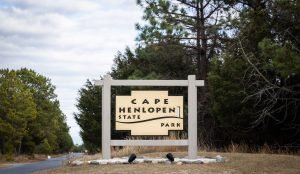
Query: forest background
x=247 y=51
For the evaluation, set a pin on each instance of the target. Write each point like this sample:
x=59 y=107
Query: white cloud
x=70 y=6
x=68 y=41
x=15 y=21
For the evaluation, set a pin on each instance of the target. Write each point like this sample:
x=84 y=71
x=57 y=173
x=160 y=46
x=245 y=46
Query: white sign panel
x=149 y=113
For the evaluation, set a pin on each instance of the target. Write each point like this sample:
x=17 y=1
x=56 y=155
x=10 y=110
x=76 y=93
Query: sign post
x=106 y=113
x=174 y=112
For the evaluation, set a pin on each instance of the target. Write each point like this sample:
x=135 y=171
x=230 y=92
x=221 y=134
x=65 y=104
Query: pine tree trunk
x=205 y=128
x=20 y=146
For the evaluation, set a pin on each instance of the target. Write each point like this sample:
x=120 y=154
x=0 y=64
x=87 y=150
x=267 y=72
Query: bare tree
x=275 y=98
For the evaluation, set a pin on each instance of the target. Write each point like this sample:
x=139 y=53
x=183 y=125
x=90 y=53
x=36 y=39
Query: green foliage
x=89 y=116
x=258 y=76
x=159 y=61
x=9 y=150
x=17 y=109
x=285 y=58
x=78 y=148
x=50 y=122
x=30 y=113
x=44 y=148
x=64 y=140
x=227 y=93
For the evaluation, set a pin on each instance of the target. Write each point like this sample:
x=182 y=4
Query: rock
x=208 y=160
x=168 y=162
x=77 y=163
x=139 y=160
x=220 y=159
x=190 y=161
x=147 y=160
x=118 y=161
x=198 y=162
x=103 y=162
x=94 y=162
x=154 y=162
x=179 y=163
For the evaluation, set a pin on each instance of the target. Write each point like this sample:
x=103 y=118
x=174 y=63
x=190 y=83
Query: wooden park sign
x=149 y=113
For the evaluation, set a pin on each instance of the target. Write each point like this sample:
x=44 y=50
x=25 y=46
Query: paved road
x=33 y=167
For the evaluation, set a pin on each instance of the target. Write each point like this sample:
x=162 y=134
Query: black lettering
x=133 y=101
x=156 y=101
x=122 y=110
x=144 y=110
x=172 y=110
x=135 y=110
x=166 y=101
x=151 y=110
x=158 y=109
x=178 y=124
x=162 y=124
x=145 y=101
x=164 y=110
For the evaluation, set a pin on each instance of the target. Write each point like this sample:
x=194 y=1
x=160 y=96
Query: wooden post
x=106 y=117
x=192 y=117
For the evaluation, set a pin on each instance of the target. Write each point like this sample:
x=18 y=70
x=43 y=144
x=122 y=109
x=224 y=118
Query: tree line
x=248 y=53
x=31 y=120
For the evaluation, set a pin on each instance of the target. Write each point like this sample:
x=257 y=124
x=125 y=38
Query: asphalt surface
x=41 y=165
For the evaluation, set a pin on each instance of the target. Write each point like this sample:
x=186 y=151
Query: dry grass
x=245 y=148
x=125 y=151
x=236 y=163
x=24 y=158
x=21 y=159
x=87 y=157
x=3 y=165
x=233 y=148
x=262 y=162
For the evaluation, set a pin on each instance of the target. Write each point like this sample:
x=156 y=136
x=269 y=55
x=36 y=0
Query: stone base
x=179 y=161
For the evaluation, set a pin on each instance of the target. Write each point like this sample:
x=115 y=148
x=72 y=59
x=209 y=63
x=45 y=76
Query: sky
x=68 y=41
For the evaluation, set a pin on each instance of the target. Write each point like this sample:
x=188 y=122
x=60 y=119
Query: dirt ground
x=235 y=163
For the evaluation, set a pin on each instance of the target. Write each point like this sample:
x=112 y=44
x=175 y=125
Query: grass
x=127 y=150
x=233 y=147
x=236 y=163
x=241 y=158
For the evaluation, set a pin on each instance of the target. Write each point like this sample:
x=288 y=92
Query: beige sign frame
x=191 y=142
